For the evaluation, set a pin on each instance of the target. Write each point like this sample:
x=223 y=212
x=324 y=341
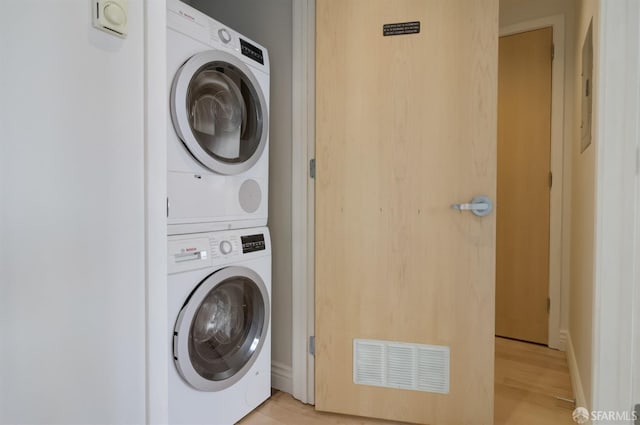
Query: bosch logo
x=186 y=15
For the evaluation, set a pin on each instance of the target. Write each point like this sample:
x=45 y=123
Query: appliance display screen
x=253 y=243
x=252 y=52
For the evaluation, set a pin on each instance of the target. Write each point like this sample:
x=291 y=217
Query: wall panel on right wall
x=583 y=214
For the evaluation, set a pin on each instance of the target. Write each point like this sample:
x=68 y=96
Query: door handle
x=479 y=205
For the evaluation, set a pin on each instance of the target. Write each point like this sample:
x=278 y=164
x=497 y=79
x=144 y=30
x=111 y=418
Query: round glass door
x=219 y=112
x=221 y=329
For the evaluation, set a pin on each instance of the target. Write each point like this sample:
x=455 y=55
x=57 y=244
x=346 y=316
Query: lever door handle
x=479 y=205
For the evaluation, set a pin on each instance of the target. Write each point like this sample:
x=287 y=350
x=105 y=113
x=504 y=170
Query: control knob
x=225 y=247
x=224 y=35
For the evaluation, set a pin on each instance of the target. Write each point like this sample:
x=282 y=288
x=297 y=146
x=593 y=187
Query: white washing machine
x=218 y=135
x=219 y=305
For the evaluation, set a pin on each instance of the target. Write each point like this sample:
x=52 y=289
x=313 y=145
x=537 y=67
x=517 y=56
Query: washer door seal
x=221 y=328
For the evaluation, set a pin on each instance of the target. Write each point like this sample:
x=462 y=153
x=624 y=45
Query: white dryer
x=219 y=292
x=218 y=135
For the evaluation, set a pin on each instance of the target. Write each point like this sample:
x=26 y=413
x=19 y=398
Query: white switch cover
x=111 y=16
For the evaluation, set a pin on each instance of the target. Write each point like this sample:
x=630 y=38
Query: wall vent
x=400 y=365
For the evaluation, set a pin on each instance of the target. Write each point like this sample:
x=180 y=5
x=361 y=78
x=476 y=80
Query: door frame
x=558 y=289
x=303 y=199
x=155 y=159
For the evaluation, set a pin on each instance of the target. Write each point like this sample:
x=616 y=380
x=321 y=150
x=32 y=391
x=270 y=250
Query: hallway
x=532 y=386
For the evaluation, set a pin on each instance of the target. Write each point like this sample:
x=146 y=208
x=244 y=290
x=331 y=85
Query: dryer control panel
x=201 y=27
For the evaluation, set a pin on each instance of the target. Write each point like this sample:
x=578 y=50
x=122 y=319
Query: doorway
x=558 y=302
x=523 y=185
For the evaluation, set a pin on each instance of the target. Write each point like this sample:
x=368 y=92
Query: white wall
x=72 y=311
x=616 y=206
x=270 y=24
x=583 y=211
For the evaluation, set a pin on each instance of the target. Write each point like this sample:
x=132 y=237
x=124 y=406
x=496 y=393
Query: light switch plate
x=111 y=16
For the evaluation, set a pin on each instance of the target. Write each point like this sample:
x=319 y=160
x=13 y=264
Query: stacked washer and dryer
x=219 y=250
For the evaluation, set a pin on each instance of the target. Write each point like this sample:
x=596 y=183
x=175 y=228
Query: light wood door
x=524 y=149
x=405 y=127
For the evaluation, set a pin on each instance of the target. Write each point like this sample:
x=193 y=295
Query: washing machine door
x=221 y=329
x=219 y=112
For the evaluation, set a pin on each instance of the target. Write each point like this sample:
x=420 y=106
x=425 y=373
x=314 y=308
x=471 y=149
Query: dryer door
x=219 y=112
x=221 y=329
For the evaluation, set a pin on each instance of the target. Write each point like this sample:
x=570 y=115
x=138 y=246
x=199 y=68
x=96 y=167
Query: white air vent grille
x=401 y=365
x=369 y=369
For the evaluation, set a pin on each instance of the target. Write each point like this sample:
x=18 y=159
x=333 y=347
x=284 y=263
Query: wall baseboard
x=563 y=342
x=576 y=382
x=281 y=377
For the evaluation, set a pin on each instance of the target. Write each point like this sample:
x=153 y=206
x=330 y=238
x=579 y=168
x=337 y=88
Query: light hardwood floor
x=531 y=382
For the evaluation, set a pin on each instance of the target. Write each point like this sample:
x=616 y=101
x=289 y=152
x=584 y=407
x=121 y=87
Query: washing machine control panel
x=204 y=250
x=231 y=245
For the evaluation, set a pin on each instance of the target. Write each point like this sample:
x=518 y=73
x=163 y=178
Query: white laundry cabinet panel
x=72 y=276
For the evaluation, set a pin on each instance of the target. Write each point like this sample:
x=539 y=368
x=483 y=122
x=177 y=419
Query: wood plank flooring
x=530 y=383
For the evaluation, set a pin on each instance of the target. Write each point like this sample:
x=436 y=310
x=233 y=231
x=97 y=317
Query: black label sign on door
x=401 y=28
